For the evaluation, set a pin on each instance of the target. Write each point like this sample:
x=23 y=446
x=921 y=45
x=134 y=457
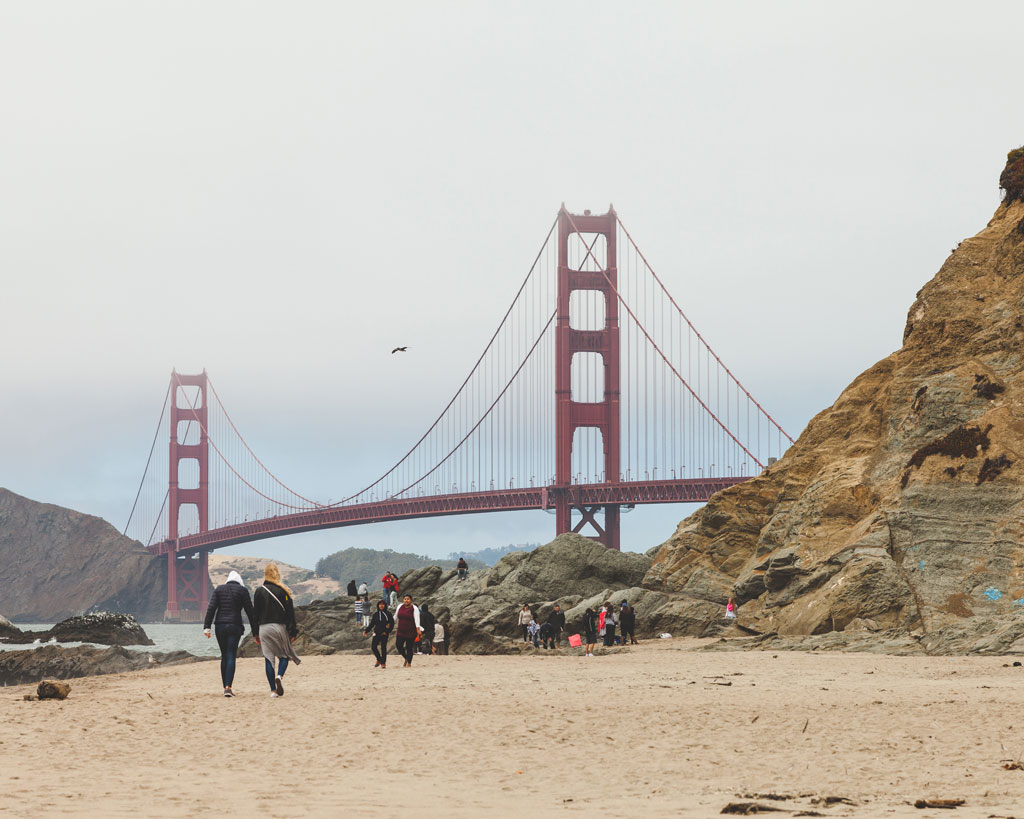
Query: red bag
x=575 y=640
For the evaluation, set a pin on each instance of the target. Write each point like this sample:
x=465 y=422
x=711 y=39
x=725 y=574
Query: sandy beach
x=660 y=727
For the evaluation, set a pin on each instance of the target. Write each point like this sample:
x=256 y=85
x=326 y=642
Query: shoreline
x=661 y=726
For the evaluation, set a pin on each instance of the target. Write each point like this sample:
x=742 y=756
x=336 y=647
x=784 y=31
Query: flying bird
x=399 y=350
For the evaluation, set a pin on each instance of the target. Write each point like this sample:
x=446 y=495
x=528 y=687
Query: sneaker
x=377 y=664
x=383 y=666
x=228 y=692
x=273 y=694
x=279 y=689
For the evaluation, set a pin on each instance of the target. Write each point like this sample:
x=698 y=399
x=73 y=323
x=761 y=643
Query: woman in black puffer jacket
x=225 y=609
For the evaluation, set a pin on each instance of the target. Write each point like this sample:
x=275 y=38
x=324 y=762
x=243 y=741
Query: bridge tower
x=188 y=578
x=572 y=415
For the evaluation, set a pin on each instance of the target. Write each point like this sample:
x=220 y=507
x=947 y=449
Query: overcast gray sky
x=281 y=193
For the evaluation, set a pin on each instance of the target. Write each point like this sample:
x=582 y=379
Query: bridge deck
x=688 y=490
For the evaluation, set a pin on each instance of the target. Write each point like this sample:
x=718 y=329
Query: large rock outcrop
x=59 y=663
x=56 y=563
x=482 y=611
x=903 y=502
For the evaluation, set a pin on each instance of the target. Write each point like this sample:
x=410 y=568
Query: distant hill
x=369 y=565
x=56 y=562
x=305 y=586
x=491 y=556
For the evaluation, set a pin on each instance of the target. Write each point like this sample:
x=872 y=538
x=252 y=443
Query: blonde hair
x=272 y=574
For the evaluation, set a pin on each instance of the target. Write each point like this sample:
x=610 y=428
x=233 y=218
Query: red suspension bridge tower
x=572 y=415
x=188 y=578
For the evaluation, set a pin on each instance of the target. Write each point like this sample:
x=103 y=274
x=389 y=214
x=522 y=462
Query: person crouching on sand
x=407 y=629
x=277 y=630
x=589 y=631
x=381 y=624
x=225 y=610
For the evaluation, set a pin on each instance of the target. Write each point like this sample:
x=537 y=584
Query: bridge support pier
x=188 y=586
x=572 y=415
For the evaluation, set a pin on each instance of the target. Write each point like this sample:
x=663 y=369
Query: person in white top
x=438 y=638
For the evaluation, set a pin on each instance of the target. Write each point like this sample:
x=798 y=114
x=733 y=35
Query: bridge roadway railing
x=688 y=490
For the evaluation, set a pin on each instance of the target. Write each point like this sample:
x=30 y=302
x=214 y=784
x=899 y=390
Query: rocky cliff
x=56 y=563
x=902 y=504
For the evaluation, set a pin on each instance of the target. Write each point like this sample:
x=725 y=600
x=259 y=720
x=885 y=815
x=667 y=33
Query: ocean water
x=167 y=636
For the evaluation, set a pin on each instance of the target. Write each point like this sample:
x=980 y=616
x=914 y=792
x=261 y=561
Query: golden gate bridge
x=595 y=393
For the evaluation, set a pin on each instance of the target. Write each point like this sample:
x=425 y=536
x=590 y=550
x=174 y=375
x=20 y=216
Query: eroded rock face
x=56 y=563
x=902 y=504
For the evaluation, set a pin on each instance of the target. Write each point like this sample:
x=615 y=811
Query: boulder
x=57 y=662
x=53 y=690
x=903 y=502
x=103 y=628
x=9 y=632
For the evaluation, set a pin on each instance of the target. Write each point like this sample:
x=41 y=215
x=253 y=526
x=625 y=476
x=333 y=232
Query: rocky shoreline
x=60 y=663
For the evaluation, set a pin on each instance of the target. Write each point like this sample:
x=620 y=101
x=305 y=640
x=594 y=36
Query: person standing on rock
x=590 y=625
x=362 y=609
x=437 y=644
x=407 y=629
x=547 y=635
x=350 y=589
x=276 y=629
x=363 y=591
x=606 y=625
x=225 y=614
x=381 y=624
x=525 y=618
x=627 y=623
x=557 y=621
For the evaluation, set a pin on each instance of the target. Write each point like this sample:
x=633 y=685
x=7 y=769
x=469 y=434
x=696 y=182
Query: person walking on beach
x=590 y=622
x=225 y=614
x=525 y=618
x=463 y=568
x=557 y=621
x=381 y=625
x=627 y=624
x=428 y=622
x=276 y=627
x=407 y=629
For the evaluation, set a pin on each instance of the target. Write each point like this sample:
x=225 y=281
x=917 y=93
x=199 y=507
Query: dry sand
x=641 y=731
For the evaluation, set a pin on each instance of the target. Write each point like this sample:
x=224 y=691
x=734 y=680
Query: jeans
x=228 y=636
x=609 y=636
x=405 y=646
x=379 y=646
x=462 y=574
x=282 y=666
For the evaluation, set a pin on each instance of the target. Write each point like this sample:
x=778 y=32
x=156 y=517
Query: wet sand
x=650 y=728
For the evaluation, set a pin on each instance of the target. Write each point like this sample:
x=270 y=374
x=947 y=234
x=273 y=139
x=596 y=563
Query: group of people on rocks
x=271 y=615
x=600 y=623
